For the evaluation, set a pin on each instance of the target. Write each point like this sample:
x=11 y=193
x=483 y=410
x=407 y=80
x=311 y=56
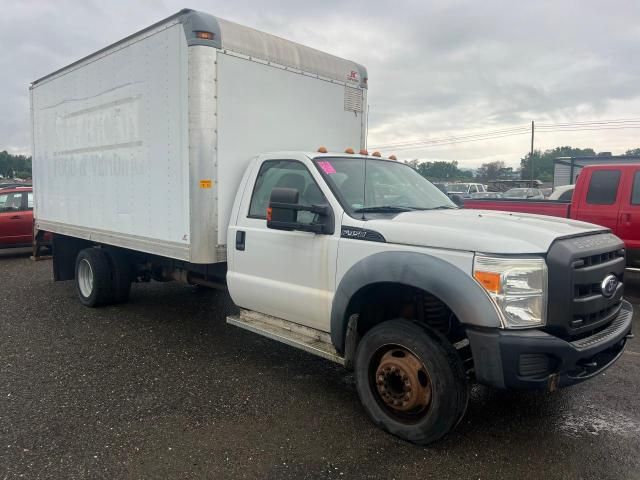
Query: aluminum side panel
x=111 y=143
x=263 y=108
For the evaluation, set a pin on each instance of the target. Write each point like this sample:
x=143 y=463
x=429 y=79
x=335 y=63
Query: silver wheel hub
x=85 y=278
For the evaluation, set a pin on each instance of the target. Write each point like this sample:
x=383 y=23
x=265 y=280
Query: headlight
x=518 y=286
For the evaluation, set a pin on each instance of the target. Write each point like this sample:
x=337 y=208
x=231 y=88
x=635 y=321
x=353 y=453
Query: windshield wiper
x=383 y=209
x=440 y=207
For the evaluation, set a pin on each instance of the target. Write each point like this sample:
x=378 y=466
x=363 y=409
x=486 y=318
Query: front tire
x=410 y=381
x=93 y=278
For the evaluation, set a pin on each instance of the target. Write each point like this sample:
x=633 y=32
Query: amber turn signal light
x=489 y=280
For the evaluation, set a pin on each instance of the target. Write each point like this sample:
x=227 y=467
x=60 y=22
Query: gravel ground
x=162 y=388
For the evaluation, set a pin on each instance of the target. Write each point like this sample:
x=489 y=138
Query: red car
x=16 y=217
x=607 y=195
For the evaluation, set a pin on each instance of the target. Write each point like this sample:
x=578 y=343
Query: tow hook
x=629 y=336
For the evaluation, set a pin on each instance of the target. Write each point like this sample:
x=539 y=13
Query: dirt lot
x=161 y=387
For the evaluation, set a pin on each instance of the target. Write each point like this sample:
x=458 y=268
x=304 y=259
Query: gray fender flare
x=464 y=296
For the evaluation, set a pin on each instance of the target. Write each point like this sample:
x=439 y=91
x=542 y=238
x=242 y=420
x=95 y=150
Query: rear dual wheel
x=102 y=277
x=411 y=381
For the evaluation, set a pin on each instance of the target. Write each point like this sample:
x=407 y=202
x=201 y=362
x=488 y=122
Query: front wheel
x=410 y=381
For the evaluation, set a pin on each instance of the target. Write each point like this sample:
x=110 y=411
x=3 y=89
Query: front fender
x=457 y=289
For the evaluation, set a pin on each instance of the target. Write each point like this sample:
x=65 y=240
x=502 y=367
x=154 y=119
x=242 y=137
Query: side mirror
x=458 y=200
x=282 y=213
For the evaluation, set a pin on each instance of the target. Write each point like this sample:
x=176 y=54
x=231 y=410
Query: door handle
x=625 y=217
x=15 y=217
x=240 y=236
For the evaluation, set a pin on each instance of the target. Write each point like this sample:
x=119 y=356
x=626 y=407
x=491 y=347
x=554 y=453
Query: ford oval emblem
x=609 y=286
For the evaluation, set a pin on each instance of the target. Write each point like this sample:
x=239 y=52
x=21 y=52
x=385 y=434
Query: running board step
x=305 y=338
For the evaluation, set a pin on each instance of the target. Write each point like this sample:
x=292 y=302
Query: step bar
x=308 y=339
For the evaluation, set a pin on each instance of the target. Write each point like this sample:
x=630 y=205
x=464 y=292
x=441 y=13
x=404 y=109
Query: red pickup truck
x=16 y=217
x=607 y=195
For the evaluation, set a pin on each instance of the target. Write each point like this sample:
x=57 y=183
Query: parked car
x=464 y=190
x=16 y=217
x=607 y=195
x=487 y=195
x=524 y=193
x=562 y=193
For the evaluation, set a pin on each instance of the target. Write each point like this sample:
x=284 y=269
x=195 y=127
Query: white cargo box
x=143 y=144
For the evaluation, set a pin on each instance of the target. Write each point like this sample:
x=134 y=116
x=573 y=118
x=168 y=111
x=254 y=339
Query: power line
x=412 y=147
x=613 y=124
x=417 y=142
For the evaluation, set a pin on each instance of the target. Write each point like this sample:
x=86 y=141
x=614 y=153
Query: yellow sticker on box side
x=206 y=184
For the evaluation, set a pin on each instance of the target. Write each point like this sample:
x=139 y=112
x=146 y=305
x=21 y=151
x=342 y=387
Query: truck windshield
x=390 y=186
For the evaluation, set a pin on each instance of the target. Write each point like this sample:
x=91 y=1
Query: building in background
x=566 y=169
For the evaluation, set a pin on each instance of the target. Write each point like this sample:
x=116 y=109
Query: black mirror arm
x=319 y=209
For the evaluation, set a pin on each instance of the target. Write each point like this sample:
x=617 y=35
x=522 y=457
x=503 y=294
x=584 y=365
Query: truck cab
x=361 y=260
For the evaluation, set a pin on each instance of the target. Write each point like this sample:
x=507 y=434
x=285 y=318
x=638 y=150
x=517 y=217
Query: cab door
x=602 y=200
x=15 y=218
x=286 y=274
x=629 y=214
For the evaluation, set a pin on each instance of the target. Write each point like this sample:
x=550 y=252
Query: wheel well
x=384 y=301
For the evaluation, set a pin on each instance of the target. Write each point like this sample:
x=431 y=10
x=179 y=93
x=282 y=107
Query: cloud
x=436 y=68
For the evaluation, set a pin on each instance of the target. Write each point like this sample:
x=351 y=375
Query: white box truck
x=187 y=152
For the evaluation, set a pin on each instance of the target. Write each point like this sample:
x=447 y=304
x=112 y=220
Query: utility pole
x=531 y=155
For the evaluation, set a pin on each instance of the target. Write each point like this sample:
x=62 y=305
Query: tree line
x=543 y=162
x=12 y=166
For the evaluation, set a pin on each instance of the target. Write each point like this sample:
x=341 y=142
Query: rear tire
x=93 y=278
x=410 y=381
x=121 y=273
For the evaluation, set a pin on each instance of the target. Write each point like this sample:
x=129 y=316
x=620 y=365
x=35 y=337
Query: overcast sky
x=437 y=68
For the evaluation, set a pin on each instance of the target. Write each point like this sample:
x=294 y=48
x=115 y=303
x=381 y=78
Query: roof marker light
x=322 y=149
x=348 y=150
x=364 y=152
x=393 y=157
x=204 y=35
x=376 y=154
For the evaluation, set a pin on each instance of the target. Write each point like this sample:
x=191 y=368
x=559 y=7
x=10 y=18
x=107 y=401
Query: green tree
x=634 y=151
x=11 y=165
x=543 y=161
x=490 y=171
x=439 y=170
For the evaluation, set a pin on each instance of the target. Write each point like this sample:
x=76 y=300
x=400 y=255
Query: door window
x=285 y=174
x=30 y=201
x=635 y=193
x=566 y=196
x=603 y=188
x=473 y=189
x=11 y=202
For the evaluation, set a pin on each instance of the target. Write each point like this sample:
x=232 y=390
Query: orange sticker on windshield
x=206 y=183
x=327 y=167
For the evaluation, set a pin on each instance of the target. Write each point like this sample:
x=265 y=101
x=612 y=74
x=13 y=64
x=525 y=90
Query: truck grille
x=577 y=266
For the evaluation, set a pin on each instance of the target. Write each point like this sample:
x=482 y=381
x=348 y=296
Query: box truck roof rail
x=204 y=29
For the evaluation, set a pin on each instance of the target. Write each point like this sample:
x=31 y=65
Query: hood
x=486 y=231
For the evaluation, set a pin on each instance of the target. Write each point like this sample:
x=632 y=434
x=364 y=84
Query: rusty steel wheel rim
x=403 y=384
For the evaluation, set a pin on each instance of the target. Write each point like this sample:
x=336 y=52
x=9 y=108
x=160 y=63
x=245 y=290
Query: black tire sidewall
x=449 y=387
x=121 y=275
